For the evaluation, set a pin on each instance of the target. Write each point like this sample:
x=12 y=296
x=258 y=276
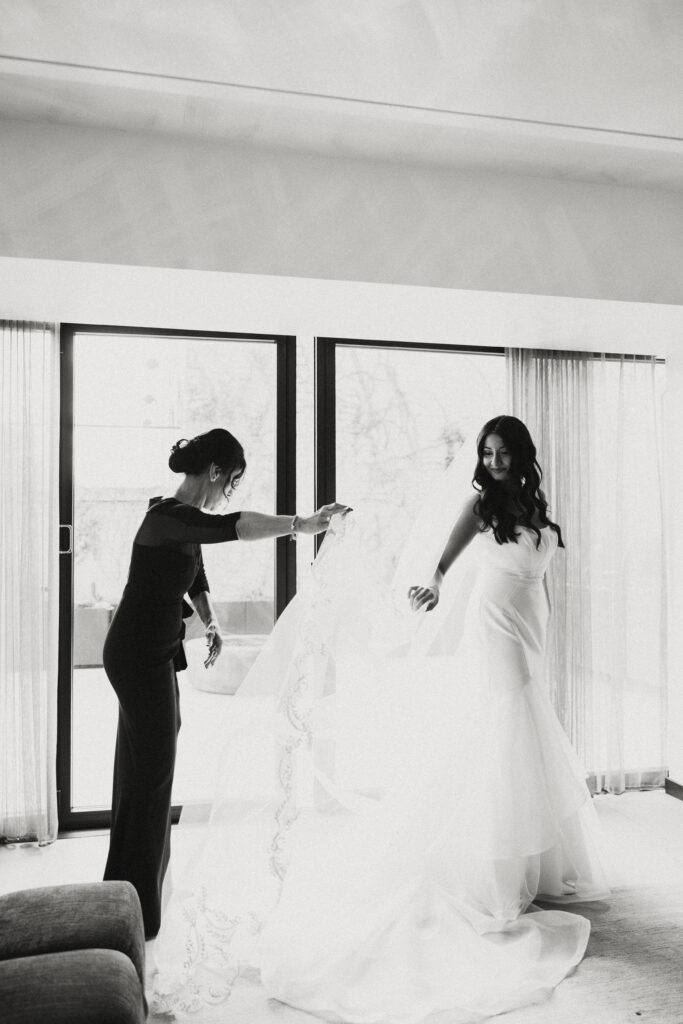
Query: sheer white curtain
x=29 y=520
x=596 y=423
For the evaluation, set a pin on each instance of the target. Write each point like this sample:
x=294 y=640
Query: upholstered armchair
x=72 y=954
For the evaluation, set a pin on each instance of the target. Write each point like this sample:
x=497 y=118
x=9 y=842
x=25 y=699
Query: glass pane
x=134 y=396
x=401 y=415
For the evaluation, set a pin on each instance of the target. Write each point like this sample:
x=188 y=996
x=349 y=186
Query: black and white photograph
x=341 y=372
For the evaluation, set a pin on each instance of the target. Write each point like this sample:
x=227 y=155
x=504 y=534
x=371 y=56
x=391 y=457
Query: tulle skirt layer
x=385 y=824
x=420 y=902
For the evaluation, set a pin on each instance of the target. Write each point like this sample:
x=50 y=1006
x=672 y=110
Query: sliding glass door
x=390 y=419
x=127 y=396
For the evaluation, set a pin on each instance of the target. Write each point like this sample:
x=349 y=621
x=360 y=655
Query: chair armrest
x=95 y=986
x=61 y=918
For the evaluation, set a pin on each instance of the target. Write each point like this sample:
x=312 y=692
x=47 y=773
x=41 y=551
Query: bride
x=396 y=790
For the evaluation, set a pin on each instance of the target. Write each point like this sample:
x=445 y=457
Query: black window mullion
x=285 y=468
x=66 y=510
x=325 y=425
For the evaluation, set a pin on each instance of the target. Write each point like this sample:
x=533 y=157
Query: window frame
x=326 y=407
x=71 y=820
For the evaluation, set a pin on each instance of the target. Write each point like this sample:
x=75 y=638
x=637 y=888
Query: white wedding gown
x=401 y=856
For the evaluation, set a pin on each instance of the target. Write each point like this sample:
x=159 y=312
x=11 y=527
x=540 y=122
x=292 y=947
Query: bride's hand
x=320 y=520
x=423 y=599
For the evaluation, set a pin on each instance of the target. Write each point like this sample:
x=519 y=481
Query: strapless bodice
x=523 y=559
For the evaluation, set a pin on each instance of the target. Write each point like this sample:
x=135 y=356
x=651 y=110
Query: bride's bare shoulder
x=470 y=502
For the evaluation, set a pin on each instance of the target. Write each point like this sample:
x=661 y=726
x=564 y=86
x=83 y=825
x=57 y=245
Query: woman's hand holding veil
x=320 y=520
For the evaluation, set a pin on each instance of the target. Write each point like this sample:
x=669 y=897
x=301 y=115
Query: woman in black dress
x=143 y=649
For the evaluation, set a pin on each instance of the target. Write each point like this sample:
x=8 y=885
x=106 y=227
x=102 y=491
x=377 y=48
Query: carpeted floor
x=633 y=970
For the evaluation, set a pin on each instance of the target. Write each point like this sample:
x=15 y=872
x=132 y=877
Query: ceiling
x=558 y=88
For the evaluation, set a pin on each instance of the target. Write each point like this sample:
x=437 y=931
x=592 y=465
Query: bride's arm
x=466 y=527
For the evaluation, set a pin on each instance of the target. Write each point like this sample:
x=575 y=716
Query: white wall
x=116 y=197
x=199 y=300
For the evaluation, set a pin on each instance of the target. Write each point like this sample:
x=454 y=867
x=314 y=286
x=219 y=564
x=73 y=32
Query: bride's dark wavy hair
x=492 y=506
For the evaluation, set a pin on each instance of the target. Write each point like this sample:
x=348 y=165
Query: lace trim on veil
x=218 y=946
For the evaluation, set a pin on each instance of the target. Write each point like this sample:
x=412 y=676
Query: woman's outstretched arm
x=466 y=527
x=259 y=526
x=172 y=520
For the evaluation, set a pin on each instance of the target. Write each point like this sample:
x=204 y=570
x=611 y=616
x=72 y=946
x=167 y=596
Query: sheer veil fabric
x=394 y=792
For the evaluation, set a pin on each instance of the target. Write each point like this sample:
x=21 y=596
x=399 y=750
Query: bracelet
x=292 y=528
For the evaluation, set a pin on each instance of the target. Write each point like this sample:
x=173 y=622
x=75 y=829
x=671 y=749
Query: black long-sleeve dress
x=142 y=653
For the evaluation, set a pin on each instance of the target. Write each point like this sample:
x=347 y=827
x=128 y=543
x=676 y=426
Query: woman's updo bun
x=217 y=446
x=185 y=457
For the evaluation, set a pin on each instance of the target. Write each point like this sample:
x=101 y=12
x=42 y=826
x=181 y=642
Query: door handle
x=70 y=534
